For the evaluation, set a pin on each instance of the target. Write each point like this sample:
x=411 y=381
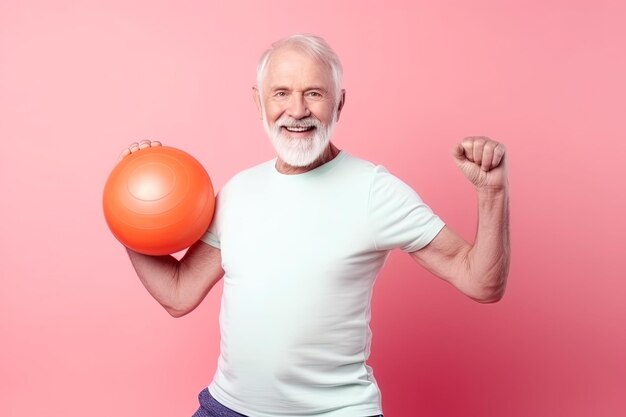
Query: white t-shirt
x=300 y=255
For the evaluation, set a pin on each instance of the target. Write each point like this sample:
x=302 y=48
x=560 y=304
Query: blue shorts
x=209 y=407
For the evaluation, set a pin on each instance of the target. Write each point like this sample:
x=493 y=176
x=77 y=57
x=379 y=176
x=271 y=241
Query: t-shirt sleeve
x=212 y=235
x=398 y=216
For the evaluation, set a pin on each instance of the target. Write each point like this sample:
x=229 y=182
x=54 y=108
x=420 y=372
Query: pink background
x=81 y=80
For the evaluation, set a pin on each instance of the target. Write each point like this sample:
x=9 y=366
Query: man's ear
x=256 y=96
x=342 y=101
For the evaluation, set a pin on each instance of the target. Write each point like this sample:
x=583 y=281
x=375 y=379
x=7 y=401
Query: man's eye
x=280 y=94
x=314 y=94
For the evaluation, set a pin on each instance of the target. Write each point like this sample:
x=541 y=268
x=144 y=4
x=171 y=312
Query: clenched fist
x=482 y=161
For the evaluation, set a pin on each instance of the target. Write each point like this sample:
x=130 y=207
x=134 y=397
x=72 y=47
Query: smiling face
x=299 y=107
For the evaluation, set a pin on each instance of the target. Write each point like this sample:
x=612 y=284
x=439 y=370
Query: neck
x=329 y=154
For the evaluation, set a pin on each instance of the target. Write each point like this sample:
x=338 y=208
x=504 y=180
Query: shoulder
x=366 y=167
x=378 y=176
x=379 y=182
x=355 y=165
x=350 y=160
x=243 y=184
x=249 y=177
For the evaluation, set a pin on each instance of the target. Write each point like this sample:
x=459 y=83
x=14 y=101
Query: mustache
x=288 y=121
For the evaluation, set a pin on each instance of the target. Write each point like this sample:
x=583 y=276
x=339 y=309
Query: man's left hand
x=482 y=161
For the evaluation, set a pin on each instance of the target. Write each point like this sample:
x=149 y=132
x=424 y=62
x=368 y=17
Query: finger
x=468 y=148
x=134 y=147
x=458 y=152
x=155 y=143
x=487 y=157
x=143 y=144
x=498 y=155
x=124 y=154
x=478 y=144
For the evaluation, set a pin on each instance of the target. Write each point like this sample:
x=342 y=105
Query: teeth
x=297 y=129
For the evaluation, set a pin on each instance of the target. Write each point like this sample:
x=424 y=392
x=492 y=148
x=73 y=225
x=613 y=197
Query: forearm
x=160 y=276
x=489 y=257
x=179 y=286
x=478 y=270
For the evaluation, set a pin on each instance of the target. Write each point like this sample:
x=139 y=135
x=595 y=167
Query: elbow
x=176 y=305
x=491 y=293
x=178 y=311
x=491 y=285
x=489 y=297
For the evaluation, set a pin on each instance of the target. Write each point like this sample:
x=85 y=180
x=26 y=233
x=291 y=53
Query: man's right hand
x=179 y=286
x=136 y=146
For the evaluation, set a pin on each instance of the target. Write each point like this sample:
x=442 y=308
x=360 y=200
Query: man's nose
x=298 y=107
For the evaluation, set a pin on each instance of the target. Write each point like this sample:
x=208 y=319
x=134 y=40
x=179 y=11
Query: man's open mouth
x=299 y=128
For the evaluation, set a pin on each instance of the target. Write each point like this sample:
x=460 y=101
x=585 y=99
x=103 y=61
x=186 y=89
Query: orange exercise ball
x=158 y=201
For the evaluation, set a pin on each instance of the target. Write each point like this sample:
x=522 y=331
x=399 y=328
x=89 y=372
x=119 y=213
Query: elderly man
x=300 y=240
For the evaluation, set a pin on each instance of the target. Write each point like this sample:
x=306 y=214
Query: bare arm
x=480 y=270
x=179 y=286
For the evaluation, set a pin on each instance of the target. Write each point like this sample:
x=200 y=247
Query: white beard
x=299 y=152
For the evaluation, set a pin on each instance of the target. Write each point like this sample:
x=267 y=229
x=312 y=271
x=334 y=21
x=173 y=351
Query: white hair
x=313 y=45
